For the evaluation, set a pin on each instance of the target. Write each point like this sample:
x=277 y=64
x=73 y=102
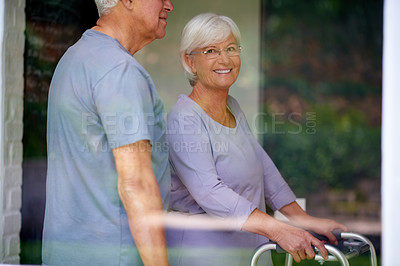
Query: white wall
x=160 y=58
x=390 y=135
x=12 y=39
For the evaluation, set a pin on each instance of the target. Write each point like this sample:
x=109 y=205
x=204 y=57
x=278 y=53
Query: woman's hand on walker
x=298 y=243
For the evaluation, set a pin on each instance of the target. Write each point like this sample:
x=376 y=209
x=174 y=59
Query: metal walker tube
x=272 y=246
x=337 y=254
x=260 y=251
x=372 y=251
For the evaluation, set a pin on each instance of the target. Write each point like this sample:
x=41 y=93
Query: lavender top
x=218 y=170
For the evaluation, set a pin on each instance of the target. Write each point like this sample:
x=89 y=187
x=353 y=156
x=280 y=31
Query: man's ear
x=127 y=4
x=189 y=62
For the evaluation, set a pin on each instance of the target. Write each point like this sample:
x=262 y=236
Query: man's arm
x=140 y=195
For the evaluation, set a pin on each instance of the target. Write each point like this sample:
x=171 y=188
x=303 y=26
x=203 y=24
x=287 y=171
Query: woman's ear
x=190 y=63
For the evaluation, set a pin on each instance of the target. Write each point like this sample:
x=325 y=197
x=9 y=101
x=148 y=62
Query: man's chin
x=160 y=35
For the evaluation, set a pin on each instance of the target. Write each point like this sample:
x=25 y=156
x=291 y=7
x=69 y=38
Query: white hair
x=104 y=6
x=204 y=30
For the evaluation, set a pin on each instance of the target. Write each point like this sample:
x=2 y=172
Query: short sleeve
x=123 y=101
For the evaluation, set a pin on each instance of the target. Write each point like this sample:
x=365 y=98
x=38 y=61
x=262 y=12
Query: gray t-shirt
x=222 y=172
x=100 y=98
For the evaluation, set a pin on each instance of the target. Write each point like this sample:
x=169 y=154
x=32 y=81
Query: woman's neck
x=214 y=103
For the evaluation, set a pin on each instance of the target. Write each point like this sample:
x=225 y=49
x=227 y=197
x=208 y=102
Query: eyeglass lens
x=229 y=51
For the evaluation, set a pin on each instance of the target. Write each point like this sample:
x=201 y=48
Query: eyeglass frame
x=218 y=52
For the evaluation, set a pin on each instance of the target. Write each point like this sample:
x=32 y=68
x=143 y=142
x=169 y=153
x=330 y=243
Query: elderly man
x=107 y=164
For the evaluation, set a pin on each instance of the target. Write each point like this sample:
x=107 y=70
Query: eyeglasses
x=232 y=50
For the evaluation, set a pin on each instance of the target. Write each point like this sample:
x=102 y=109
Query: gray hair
x=204 y=30
x=104 y=6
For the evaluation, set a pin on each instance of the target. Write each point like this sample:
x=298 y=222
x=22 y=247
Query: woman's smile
x=218 y=72
x=223 y=71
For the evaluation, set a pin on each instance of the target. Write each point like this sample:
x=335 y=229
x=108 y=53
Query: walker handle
x=337 y=233
x=279 y=249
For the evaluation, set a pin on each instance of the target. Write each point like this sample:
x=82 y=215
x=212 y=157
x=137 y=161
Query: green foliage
x=326 y=149
x=322 y=91
x=349 y=90
x=31 y=252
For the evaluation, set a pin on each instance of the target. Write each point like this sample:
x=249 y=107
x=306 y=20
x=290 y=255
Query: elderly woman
x=219 y=169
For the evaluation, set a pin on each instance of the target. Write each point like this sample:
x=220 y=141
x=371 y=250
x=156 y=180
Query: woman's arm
x=300 y=218
x=279 y=196
x=294 y=240
x=277 y=192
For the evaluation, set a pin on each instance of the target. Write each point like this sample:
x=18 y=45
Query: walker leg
x=289 y=260
x=348 y=235
x=259 y=251
x=337 y=256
